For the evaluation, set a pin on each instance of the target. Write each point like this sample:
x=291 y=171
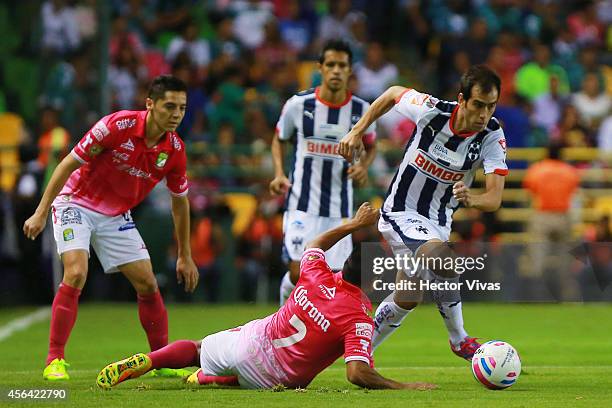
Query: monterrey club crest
x=474 y=150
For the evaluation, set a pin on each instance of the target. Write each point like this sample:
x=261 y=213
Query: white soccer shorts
x=245 y=352
x=115 y=239
x=406 y=231
x=300 y=227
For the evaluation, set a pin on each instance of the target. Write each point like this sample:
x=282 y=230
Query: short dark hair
x=554 y=151
x=479 y=75
x=164 y=83
x=351 y=272
x=336 y=45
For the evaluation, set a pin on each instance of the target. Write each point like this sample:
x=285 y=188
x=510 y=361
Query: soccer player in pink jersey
x=90 y=194
x=325 y=317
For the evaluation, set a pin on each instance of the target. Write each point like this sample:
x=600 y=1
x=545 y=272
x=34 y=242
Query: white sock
x=286 y=287
x=387 y=319
x=453 y=319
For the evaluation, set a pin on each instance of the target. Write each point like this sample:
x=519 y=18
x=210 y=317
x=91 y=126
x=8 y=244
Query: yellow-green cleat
x=56 y=370
x=122 y=370
x=170 y=372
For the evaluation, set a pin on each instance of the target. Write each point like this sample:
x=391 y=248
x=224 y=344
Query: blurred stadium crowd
x=67 y=63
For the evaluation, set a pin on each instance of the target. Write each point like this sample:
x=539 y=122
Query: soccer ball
x=496 y=365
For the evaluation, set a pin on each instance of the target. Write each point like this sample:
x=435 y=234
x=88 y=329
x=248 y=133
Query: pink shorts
x=245 y=352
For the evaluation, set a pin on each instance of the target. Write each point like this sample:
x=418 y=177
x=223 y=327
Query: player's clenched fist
x=350 y=145
x=462 y=194
x=34 y=226
x=279 y=185
x=366 y=214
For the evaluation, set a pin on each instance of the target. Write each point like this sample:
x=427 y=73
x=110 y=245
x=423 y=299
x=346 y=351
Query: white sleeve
x=413 y=104
x=286 y=122
x=494 y=153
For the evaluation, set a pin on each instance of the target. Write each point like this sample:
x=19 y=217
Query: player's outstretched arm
x=351 y=143
x=186 y=270
x=362 y=375
x=36 y=223
x=366 y=215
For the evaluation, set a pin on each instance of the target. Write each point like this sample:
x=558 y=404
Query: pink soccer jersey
x=119 y=170
x=324 y=318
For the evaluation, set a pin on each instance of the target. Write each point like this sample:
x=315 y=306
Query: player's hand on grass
x=280 y=185
x=34 y=225
x=462 y=193
x=187 y=272
x=421 y=386
x=366 y=215
x=351 y=146
x=359 y=174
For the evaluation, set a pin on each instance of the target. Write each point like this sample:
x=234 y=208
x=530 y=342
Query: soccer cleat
x=122 y=370
x=466 y=348
x=170 y=372
x=56 y=370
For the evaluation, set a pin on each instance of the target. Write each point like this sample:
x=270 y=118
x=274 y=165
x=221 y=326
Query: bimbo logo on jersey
x=322 y=148
x=429 y=166
x=301 y=299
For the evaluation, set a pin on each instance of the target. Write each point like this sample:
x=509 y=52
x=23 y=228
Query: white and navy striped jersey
x=320 y=183
x=436 y=157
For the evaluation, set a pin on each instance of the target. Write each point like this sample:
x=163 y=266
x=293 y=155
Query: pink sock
x=179 y=354
x=230 y=380
x=63 y=316
x=154 y=319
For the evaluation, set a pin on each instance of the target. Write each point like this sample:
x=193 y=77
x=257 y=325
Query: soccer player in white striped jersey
x=450 y=142
x=319 y=192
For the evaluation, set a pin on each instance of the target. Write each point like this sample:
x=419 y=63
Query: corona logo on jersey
x=300 y=296
x=434 y=170
x=321 y=148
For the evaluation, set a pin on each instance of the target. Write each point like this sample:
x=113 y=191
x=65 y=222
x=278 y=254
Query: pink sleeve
x=358 y=342
x=97 y=139
x=176 y=179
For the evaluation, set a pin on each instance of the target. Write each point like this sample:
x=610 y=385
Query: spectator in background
x=477 y=44
x=533 y=78
x=591 y=103
x=547 y=107
x=585 y=25
x=54 y=141
x=228 y=102
x=336 y=24
x=194 y=122
x=60 y=31
x=375 y=74
x=551 y=184
x=122 y=37
x=123 y=76
x=196 y=48
x=569 y=132
x=604 y=137
x=295 y=29
x=273 y=51
x=206 y=245
x=251 y=17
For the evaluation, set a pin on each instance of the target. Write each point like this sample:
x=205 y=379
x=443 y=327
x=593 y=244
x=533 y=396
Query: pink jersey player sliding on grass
x=325 y=317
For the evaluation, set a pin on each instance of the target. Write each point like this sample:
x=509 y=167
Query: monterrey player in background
x=451 y=140
x=90 y=194
x=320 y=194
x=324 y=318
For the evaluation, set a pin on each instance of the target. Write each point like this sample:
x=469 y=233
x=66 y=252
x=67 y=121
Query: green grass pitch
x=566 y=352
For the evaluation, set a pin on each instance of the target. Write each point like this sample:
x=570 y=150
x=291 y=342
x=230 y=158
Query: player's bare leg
x=64 y=312
x=289 y=280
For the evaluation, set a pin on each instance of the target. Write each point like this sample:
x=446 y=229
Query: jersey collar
x=331 y=105
x=450 y=125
